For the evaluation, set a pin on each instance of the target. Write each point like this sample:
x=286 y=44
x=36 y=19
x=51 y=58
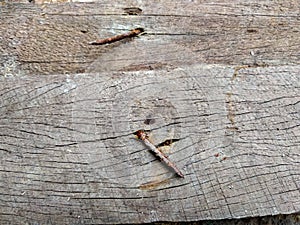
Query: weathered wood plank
x=48 y=39
x=67 y=151
x=68 y=155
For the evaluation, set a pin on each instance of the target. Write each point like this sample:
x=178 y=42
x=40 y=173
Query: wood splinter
x=143 y=136
x=132 y=33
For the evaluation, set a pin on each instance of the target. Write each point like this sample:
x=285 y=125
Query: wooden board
x=68 y=153
x=217 y=76
x=52 y=39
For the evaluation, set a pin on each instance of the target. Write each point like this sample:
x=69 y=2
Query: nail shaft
x=132 y=33
x=143 y=136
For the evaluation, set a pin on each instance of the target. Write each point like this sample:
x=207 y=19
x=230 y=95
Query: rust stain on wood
x=153 y=184
x=236 y=71
x=230 y=109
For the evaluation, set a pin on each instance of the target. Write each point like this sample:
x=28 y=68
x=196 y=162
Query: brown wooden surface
x=52 y=39
x=221 y=77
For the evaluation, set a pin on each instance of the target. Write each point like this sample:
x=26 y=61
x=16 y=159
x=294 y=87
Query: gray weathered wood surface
x=221 y=77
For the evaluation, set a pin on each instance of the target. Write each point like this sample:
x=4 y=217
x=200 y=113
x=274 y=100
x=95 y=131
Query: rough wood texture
x=222 y=78
x=68 y=152
x=51 y=39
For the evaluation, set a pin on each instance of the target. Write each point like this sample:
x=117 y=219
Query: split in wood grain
x=133 y=10
x=145 y=66
x=167 y=142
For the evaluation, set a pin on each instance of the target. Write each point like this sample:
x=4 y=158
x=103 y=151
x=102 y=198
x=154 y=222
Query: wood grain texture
x=47 y=39
x=221 y=77
x=68 y=154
